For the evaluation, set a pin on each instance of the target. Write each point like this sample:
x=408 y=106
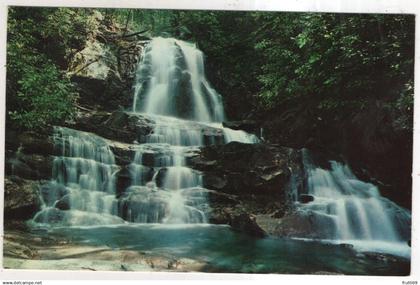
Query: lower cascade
x=346 y=209
x=83 y=186
x=163 y=188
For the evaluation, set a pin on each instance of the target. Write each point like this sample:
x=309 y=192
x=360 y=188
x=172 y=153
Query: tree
x=41 y=41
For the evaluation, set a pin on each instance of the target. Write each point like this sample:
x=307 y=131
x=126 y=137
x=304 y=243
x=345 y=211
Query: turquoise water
x=227 y=251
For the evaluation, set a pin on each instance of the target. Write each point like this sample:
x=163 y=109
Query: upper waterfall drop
x=170 y=81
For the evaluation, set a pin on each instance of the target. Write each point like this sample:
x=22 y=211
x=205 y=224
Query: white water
x=348 y=210
x=171 y=82
x=83 y=180
x=172 y=90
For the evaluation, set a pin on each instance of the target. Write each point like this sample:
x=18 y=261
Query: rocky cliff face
x=105 y=69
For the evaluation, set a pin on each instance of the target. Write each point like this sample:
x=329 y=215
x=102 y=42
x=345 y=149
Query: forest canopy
x=325 y=66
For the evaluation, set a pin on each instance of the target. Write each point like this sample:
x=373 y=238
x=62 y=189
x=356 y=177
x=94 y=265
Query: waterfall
x=172 y=89
x=346 y=209
x=83 y=182
x=171 y=81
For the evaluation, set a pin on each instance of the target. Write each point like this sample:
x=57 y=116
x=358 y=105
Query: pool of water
x=225 y=250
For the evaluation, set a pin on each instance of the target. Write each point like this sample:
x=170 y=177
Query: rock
x=21 y=198
x=160 y=177
x=239 y=168
x=267 y=223
x=104 y=72
x=24 y=250
x=17 y=250
x=238 y=219
x=305 y=225
x=30 y=142
x=93 y=62
x=63 y=203
x=28 y=166
x=232 y=211
x=216 y=182
x=123 y=180
x=296 y=225
x=253 y=179
x=148 y=159
x=212 y=136
x=249 y=126
x=202 y=164
x=89 y=90
x=118 y=126
x=52 y=191
x=382 y=257
x=246 y=223
x=124 y=153
x=306 y=198
x=346 y=246
x=15 y=166
x=279 y=213
x=220 y=198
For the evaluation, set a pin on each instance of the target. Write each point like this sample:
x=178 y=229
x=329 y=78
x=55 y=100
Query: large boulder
x=21 y=198
x=249 y=126
x=246 y=182
x=239 y=168
x=304 y=225
x=30 y=142
x=230 y=211
x=104 y=70
x=119 y=125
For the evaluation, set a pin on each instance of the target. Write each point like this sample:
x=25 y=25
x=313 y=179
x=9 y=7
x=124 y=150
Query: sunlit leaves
x=38 y=92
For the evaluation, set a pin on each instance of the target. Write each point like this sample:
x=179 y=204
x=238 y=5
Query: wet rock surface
x=118 y=126
x=28 y=166
x=239 y=168
x=246 y=181
x=25 y=250
x=249 y=126
x=21 y=198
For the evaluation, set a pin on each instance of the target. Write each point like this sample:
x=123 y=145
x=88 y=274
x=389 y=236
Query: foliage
x=332 y=65
x=328 y=67
x=226 y=39
x=40 y=43
x=336 y=64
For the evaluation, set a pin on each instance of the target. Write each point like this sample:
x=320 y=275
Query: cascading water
x=346 y=209
x=171 y=88
x=171 y=82
x=83 y=182
x=172 y=91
